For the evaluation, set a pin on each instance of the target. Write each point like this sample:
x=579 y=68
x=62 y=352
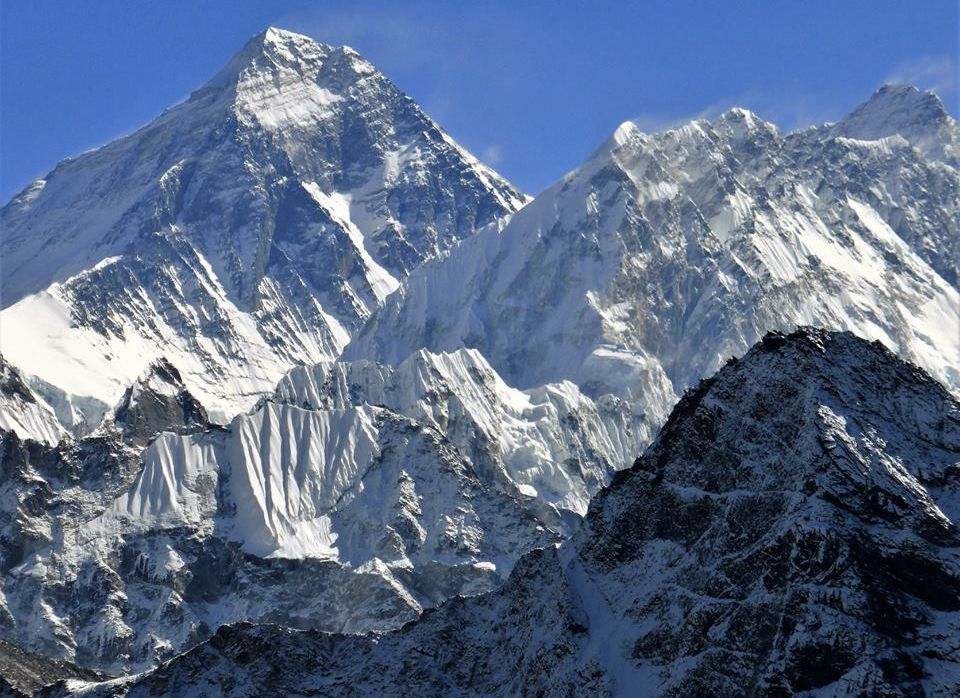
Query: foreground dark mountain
x=24 y=673
x=792 y=529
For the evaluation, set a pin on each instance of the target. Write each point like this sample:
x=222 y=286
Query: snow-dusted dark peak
x=814 y=386
x=157 y=401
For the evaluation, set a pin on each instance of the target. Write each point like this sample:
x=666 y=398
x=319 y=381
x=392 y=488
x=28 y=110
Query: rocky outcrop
x=157 y=402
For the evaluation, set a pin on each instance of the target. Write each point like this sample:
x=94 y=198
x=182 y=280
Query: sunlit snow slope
x=25 y=413
x=646 y=268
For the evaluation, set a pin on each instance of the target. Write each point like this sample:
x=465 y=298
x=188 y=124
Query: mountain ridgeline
x=254 y=226
x=299 y=397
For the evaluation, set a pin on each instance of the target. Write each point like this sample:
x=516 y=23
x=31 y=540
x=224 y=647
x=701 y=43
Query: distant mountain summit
x=792 y=529
x=254 y=226
x=903 y=110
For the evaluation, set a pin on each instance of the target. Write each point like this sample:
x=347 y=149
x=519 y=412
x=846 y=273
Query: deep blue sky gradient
x=532 y=87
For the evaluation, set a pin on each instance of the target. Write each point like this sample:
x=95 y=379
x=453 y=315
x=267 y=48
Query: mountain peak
x=276 y=35
x=900 y=109
x=899 y=101
x=301 y=184
x=274 y=39
x=271 y=49
x=157 y=401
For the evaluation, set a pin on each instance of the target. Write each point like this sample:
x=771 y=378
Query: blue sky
x=532 y=87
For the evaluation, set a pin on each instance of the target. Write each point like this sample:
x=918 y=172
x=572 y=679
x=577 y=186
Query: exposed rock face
x=157 y=402
x=24 y=673
x=252 y=227
x=793 y=528
x=643 y=270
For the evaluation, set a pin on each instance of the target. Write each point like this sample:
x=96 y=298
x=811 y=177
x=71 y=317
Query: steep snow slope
x=25 y=413
x=551 y=442
x=791 y=530
x=254 y=226
x=664 y=254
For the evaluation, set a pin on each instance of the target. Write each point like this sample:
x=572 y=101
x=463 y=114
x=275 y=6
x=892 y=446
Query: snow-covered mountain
x=903 y=110
x=184 y=446
x=252 y=227
x=357 y=496
x=644 y=269
x=793 y=529
x=551 y=443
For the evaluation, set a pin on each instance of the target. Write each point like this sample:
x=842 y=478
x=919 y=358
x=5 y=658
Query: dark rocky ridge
x=23 y=673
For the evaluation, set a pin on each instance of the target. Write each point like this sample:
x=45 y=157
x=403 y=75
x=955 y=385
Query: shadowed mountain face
x=254 y=226
x=792 y=528
x=157 y=402
x=24 y=673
